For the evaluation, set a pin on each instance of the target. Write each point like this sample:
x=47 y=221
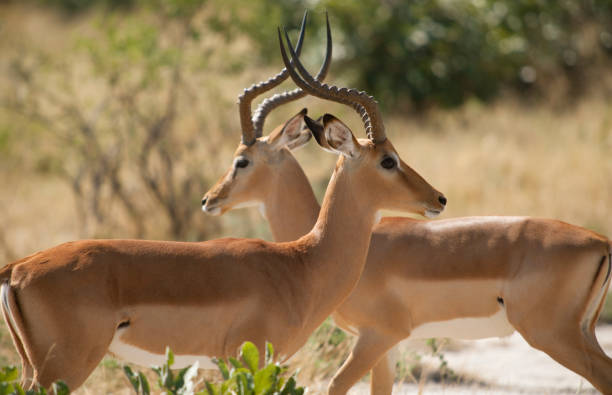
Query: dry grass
x=509 y=158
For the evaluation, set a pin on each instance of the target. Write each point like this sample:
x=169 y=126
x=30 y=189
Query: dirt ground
x=505 y=366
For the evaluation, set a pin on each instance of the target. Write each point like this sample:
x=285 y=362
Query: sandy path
x=509 y=366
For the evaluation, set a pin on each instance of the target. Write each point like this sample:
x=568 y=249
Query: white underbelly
x=469 y=328
x=138 y=356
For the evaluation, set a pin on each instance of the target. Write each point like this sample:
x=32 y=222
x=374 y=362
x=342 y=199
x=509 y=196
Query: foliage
x=446 y=373
x=426 y=51
x=9 y=385
x=244 y=378
x=324 y=352
x=417 y=367
x=445 y=52
x=110 y=119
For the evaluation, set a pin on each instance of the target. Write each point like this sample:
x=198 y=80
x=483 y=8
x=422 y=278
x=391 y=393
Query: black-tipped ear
x=316 y=129
x=339 y=137
x=327 y=118
x=291 y=133
x=289 y=128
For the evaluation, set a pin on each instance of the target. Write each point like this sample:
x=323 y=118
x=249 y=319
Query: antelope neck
x=290 y=205
x=338 y=243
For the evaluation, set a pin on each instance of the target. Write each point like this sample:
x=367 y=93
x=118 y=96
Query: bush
x=244 y=378
x=10 y=386
x=422 y=51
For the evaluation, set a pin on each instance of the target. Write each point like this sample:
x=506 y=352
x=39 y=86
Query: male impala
x=465 y=278
x=68 y=305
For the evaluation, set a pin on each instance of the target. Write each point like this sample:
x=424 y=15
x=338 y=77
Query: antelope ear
x=317 y=130
x=292 y=134
x=339 y=137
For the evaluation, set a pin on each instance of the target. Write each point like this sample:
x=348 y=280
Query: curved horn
x=246 y=98
x=278 y=99
x=365 y=105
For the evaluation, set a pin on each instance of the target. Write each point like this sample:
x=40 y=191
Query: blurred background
x=117 y=115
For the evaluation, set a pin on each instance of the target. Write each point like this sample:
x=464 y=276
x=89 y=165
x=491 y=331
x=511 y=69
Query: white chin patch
x=211 y=211
x=432 y=213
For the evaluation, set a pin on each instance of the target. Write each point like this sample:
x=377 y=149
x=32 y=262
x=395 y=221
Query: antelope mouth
x=211 y=210
x=432 y=213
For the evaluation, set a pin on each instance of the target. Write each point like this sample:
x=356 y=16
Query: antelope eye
x=242 y=162
x=388 y=163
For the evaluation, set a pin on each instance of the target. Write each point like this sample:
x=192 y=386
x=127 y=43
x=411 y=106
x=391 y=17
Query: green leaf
x=241 y=383
x=222 y=368
x=169 y=357
x=9 y=374
x=250 y=383
x=138 y=381
x=250 y=355
x=265 y=380
x=131 y=377
x=236 y=363
x=144 y=383
x=60 y=388
x=289 y=387
x=211 y=389
x=269 y=353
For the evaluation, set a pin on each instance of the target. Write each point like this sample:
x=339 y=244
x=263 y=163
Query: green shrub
x=422 y=52
x=9 y=384
x=243 y=376
x=438 y=52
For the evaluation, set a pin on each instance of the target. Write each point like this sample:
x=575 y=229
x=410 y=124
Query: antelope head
x=259 y=161
x=380 y=172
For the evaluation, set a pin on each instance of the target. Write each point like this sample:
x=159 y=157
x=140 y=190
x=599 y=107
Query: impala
x=463 y=278
x=68 y=305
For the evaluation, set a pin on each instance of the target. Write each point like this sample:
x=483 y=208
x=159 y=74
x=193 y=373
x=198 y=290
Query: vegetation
x=241 y=378
x=425 y=52
x=9 y=384
x=137 y=90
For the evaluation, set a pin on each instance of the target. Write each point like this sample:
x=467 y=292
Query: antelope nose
x=442 y=200
x=204 y=201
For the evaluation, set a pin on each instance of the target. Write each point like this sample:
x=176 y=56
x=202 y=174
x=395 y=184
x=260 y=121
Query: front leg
x=368 y=350
x=383 y=373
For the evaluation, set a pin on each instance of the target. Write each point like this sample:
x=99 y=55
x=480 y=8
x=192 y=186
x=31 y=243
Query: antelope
x=462 y=278
x=68 y=305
